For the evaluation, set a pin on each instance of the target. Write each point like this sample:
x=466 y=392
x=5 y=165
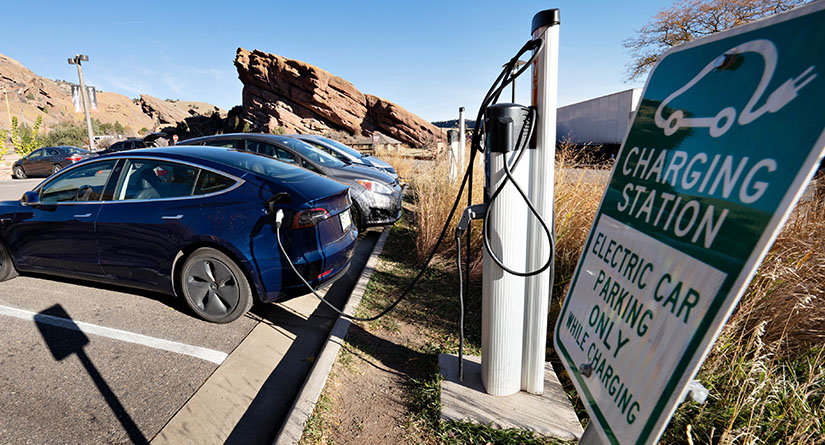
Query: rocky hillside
x=296 y=97
x=30 y=95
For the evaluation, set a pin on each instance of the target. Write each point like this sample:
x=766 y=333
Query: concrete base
x=549 y=414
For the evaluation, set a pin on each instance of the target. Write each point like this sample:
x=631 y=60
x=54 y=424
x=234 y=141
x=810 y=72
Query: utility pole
x=76 y=60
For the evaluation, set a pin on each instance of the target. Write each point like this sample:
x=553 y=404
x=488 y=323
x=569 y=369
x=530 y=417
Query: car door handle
x=85 y=215
x=172 y=217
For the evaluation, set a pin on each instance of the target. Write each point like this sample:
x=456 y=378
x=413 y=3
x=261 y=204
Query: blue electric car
x=195 y=222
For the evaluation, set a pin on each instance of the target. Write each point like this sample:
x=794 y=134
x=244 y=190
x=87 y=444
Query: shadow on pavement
x=64 y=338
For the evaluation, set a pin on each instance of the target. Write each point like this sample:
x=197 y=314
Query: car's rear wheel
x=7 y=270
x=56 y=168
x=19 y=172
x=214 y=286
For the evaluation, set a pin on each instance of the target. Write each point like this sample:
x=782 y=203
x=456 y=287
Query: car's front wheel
x=7 y=270
x=19 y=172
x=214 y=286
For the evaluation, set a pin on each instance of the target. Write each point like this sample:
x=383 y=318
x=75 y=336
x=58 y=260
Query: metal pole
x=462 y=143
x=85 y=97
x=539 y=287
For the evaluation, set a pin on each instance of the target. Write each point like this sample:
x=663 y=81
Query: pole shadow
x=64 y=338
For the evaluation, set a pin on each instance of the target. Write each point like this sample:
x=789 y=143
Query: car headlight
x=375 y=186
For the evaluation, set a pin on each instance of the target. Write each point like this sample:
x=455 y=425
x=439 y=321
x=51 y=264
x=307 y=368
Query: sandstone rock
x=296 y=97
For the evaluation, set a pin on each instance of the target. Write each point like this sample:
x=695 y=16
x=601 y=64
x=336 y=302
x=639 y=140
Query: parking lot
x=90 y=363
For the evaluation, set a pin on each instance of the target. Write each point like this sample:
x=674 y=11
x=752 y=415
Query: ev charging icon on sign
x=723 y=120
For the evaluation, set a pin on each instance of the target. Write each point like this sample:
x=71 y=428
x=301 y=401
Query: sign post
x=727 y=135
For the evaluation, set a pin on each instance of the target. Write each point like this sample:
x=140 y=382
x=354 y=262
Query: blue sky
x=430 y=57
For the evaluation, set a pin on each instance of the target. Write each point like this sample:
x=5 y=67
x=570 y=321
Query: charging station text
x=723 y=177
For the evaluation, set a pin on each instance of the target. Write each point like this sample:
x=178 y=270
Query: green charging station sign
x=726 y=137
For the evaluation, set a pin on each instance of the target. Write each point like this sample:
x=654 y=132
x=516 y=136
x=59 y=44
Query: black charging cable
x=505 y=78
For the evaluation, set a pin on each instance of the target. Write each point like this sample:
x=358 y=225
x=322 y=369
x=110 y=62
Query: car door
x=33 y=163
x=59 y=233
x=141 y=229
x=51 y=156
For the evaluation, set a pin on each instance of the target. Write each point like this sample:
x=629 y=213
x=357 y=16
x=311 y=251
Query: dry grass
x=766 y=372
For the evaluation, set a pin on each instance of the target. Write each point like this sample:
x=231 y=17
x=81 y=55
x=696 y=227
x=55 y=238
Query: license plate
x=346 y=220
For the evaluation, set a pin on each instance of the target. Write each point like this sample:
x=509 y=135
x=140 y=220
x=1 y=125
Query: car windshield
x=256 y=163
x=346 y=149
x=312 y=153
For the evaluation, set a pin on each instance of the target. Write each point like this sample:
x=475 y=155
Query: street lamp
x=84 y=95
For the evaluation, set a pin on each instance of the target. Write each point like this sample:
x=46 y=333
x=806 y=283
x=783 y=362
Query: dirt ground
x=366 y=392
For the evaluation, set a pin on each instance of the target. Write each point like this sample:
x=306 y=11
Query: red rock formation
x=281 y=93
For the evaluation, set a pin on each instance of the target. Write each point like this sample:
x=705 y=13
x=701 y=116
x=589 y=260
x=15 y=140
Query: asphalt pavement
x=89 y=363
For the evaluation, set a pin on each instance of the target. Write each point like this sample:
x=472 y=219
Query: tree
x=690 y=19
x=25 y=140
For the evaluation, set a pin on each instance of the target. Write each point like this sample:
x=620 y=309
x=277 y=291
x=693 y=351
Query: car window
x=211 y=182
x=84 y=183
x=330 y=151
x=309 y=166
x=229 y=143
x=51 y=152
x=311 y=153
x=37 y=153
x=75 y=150
x=152 y=179
x=345 y=148
x=261 y=147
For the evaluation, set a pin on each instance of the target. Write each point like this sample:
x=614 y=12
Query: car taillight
x=309 y=218
x=74 y=158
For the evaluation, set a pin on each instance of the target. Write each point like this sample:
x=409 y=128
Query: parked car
x=346 y=153
x=195 y=222
x=48 y=160
x=376 y=196
x=128 y=144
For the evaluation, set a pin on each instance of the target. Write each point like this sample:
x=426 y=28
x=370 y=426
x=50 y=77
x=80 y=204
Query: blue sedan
x=198 y=223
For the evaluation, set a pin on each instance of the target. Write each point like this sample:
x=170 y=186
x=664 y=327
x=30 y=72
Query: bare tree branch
x=687 y=20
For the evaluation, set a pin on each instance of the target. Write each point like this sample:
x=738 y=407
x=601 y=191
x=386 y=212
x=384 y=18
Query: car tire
x=214 y=286
x=19 y=172
x=56 y=168
x=7 y=270
x=357 y=218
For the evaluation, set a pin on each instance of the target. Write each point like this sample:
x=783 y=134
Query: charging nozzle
x=470 y=213
x=279 y=217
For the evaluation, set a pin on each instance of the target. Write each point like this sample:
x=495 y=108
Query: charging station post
x=452 y=141
x=502 y=301
x=545 y=26
x=462 y=142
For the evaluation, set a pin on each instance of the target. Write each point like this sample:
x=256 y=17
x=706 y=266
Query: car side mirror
x=30 y=198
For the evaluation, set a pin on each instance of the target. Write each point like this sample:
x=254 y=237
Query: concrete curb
x=293 y=427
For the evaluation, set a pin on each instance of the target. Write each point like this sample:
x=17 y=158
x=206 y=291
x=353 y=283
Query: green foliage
x=4 y=134
x=25 y=139
x=245 y=128
x=279 y=130
x=30 y=96
x=75 y=133
x=143 y=130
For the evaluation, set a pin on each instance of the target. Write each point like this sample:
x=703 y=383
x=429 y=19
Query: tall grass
x=766 y=372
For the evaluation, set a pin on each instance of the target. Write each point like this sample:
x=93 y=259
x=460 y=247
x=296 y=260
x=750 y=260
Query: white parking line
x=209 y=355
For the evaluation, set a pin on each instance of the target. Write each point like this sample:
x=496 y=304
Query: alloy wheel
x=212 y=287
